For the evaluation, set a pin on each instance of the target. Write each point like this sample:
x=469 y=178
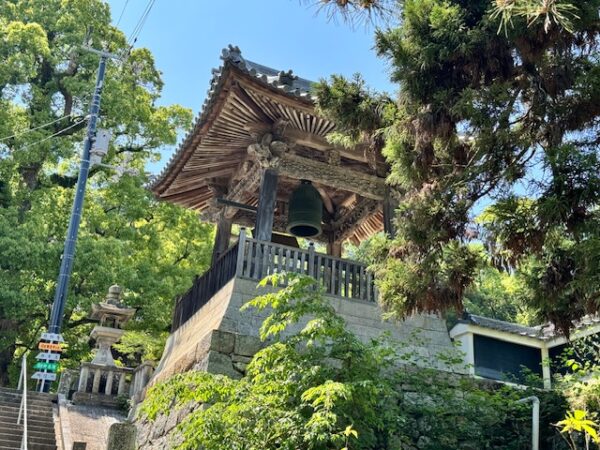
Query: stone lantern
x=111 y=315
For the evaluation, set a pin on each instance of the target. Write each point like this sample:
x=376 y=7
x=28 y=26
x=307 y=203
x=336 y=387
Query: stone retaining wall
x=188 y=346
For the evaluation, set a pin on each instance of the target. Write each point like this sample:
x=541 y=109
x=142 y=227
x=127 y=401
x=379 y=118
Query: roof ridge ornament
x=232 y=53
x=286 y=78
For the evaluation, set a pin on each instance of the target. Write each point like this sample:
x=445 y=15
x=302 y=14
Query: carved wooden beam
x=345 y=226
x=298 y=167
x=274 y=154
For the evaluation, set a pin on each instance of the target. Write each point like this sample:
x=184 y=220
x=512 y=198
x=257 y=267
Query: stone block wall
x=191 y=344
x=162 y=433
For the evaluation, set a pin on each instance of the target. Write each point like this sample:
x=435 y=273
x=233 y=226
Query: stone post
x=83 y=378
x=121 y=388
x=121 y=436
x=109 y=382
x=96 y=382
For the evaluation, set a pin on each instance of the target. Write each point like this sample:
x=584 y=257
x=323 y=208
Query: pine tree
x=498 y=110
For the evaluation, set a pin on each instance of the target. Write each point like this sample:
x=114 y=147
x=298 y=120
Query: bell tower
x=258 y=157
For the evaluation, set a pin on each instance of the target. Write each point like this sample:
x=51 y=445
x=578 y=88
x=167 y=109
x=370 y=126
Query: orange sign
x=49 y=346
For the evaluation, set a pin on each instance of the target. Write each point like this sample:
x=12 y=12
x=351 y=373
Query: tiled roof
x=542 y=332
x=286 y=82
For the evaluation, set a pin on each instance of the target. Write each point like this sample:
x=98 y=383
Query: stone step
x=38 y=434
x=33 y=396
x=30 y=394
x=32 y=425
x=30 y=429
x=16 y=439
x=31 y=445
x=41 y=413
x=30 y=403
x=8 y=420
x=30 y=407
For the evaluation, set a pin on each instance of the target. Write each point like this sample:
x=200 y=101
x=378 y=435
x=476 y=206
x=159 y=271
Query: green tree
x=498 y=105
x=152 y=249
x=500 y=295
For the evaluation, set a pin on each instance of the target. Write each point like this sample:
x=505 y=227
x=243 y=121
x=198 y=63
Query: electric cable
x=73 y=125
x=29 y=130
x=122 y=12
x=140 y=24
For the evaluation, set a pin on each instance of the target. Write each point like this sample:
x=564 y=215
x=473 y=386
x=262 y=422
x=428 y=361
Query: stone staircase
x=40 y=423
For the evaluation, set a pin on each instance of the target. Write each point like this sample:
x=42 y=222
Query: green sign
x=50 y=366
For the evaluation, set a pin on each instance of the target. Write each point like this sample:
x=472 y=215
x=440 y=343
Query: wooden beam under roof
x=302 y=168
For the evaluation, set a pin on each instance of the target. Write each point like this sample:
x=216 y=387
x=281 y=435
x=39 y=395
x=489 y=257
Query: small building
x=502 y=351
x=258 y=156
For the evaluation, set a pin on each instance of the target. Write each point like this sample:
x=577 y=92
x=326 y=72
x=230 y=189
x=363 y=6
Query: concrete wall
x=190 y=344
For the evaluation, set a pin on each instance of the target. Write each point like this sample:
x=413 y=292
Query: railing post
x=311 y=259
x=83 y=378
x=109 y=382
x=96 y=382
x=121 y=389
x=239 y=270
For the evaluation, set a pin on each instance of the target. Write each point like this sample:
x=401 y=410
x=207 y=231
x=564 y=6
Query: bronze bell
x=305 y=211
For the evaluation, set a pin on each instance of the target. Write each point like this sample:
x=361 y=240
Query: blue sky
x=187 y=36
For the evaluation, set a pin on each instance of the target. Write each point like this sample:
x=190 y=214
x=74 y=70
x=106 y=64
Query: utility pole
x=53 y=337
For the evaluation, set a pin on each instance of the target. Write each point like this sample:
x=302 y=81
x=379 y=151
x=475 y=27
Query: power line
x=140 y=24
x=29 y=130
x=73 y=125
x=122 y=12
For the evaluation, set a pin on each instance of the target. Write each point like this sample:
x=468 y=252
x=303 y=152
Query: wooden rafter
x=346 y=225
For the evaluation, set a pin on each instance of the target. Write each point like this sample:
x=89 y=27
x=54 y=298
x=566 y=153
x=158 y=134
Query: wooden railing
x=205 y=287
x=253 y=259
x=340 y=277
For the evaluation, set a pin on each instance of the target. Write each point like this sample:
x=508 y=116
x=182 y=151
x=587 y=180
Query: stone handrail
x=104 y=380
x=107 y=380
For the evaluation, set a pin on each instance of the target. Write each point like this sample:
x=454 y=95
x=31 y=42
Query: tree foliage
x=126 y=237
x=322 y=388
x=498 y=106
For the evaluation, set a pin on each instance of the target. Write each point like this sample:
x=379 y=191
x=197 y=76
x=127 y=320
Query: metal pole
x=535 y=420
x=66 y=265
x=23 y=407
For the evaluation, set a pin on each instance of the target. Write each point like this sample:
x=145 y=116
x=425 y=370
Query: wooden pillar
x=389 y=211
x=266 y=205
x=222 y=237
x=334 y=248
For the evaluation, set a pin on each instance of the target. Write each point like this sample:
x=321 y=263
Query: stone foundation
x=191 y=345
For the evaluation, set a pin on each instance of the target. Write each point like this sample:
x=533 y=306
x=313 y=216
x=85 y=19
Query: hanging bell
x=305 y=211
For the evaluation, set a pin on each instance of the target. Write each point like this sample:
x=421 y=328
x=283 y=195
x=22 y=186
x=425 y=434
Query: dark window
x=501 y=360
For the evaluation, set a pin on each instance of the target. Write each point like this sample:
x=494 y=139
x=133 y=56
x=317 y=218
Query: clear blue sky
x=186 y=38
